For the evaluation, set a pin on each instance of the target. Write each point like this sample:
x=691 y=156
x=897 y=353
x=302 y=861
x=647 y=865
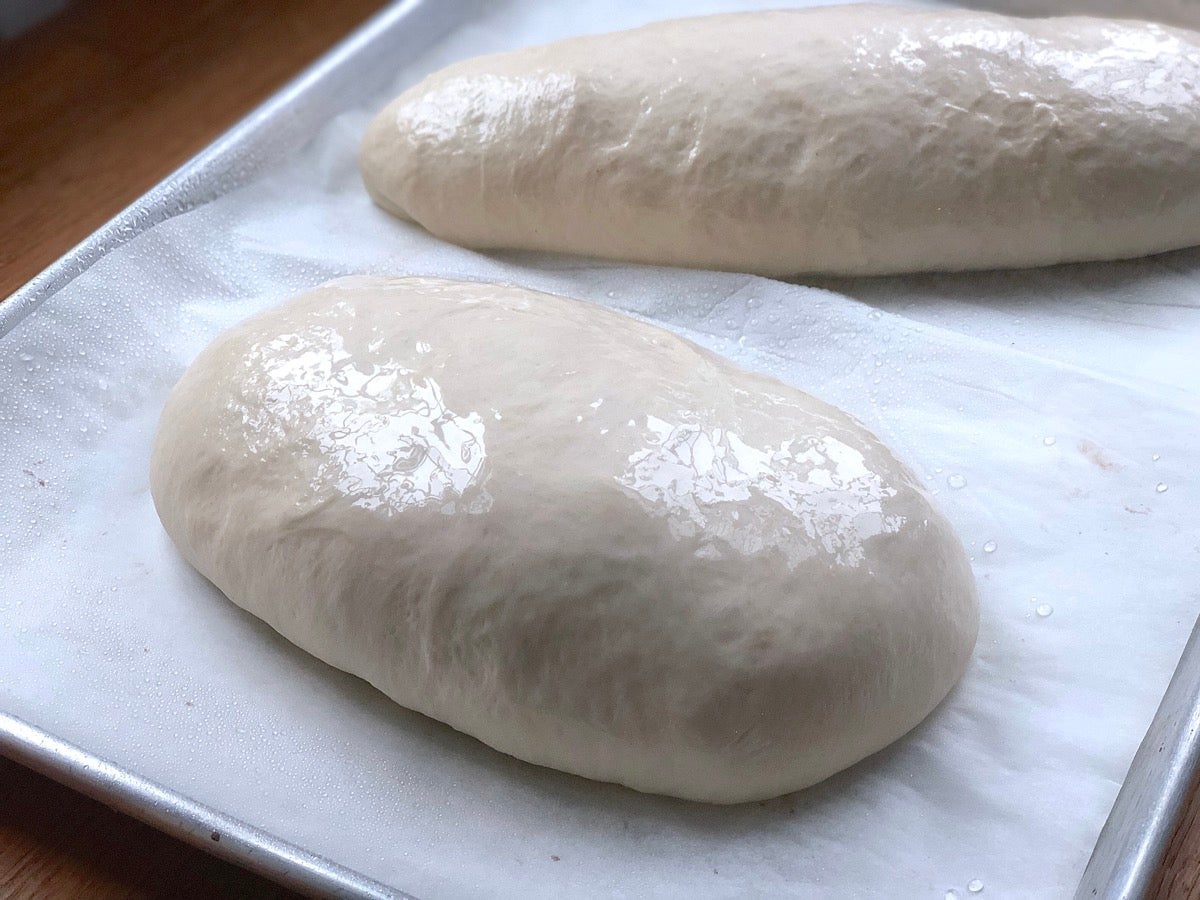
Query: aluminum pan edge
x=183 y=818
x=1148 y=807
x=285 y=120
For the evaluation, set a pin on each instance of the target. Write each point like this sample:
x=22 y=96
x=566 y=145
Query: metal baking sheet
x=1154 y=790
x=192 y=822
x=1154 y=794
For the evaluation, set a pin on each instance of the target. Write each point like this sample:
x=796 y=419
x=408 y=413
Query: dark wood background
x=96 y=105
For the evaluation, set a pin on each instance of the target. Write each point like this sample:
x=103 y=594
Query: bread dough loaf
x=578 y=537
x=1184 y=13
x=849 y=140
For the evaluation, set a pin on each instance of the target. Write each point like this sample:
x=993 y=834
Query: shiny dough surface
x=576 y=536
x=847 y=139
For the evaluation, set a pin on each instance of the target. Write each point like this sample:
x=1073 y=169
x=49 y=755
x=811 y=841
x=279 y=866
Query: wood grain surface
x=96 y=105
x=105 y=99
x=1178 y=872
x=56 y=843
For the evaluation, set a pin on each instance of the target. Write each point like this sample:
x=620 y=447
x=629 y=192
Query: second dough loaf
x=846 y=139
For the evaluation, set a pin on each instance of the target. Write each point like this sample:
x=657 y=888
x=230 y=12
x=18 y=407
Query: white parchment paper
x=1055 y=413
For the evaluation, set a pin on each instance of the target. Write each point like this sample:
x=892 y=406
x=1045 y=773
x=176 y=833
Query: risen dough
x=1184 y=13
x=578 y=537
x=853 y=140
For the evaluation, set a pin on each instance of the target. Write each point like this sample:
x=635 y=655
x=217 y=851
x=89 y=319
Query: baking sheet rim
x=181 y=817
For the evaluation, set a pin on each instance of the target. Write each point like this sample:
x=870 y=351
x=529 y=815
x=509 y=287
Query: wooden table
x=97 y=105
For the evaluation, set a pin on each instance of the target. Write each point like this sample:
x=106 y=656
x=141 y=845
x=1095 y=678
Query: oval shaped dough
x=578 y=537
x=849 y=140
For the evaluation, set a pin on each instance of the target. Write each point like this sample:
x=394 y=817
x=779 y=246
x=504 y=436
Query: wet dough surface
x=848 y=140
x=576 y=536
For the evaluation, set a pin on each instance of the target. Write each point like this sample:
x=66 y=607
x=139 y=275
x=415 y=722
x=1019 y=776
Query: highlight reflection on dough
x=381 y=433
x=700 y=479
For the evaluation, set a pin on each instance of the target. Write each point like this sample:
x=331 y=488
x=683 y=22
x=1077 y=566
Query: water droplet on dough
x=975 y=886
x=1161 y=487
x=989 y=547
x=875 y=314
x=753 y=302
x=1043 y=610
x=951 y=895
x=1155 y=457
x=956 y=481
x=1048 y=440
